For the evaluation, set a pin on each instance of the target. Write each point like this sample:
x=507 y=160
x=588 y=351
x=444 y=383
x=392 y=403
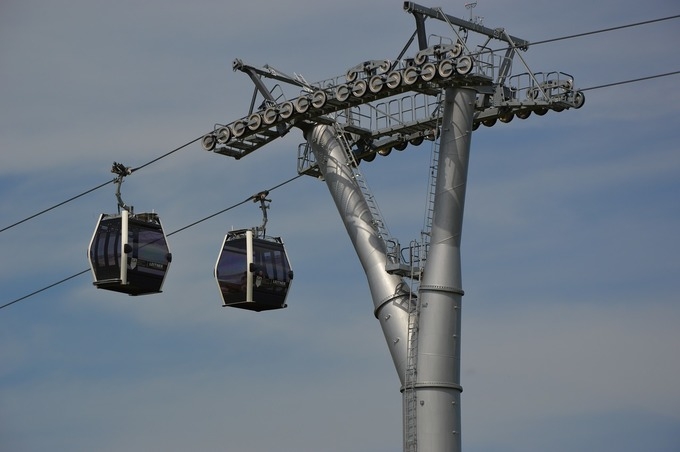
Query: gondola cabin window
x=105 y=254
x=129 y=254
x=231 y=271
x=253 y=273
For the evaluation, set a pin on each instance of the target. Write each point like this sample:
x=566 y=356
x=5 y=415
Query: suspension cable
x=588 y=33
x=96 y=188
x=57 y=205
x=167 y=154
x=604 y=30
x=607 y=85
x=44 y=288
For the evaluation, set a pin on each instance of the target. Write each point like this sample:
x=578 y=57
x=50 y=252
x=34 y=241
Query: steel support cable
x=57 y=205
x=44 y=288
x=169 y=234
x=604 y=30
x=250 y=198
x=607 y=85
x=588 y=33
x=168 y=153
x=96 y=188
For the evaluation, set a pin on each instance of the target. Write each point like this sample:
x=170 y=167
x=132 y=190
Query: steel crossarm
x=497 y=33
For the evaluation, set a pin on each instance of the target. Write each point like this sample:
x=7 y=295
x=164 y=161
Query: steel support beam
x=498 y=33
x=438 y=364
x=389 y=292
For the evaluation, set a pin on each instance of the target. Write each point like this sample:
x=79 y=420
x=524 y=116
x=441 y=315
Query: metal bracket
x=122 y=171
x=261 y=197
x=419 y=12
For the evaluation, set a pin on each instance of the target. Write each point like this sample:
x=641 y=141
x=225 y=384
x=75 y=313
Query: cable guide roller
x=128 y=252
x=252 y=270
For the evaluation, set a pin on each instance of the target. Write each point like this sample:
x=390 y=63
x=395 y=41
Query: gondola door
x=231 y=270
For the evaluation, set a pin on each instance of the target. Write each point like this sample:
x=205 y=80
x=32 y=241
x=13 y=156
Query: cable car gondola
x=129 y=253
x=252 y=270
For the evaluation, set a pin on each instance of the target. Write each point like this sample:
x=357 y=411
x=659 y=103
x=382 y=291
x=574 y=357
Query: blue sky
x=570 y=240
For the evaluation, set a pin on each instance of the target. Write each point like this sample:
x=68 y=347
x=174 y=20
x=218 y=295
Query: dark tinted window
x=231 y=271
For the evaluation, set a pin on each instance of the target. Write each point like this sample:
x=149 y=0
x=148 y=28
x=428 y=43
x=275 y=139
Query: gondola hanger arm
x=261 y=197
x=121 y=171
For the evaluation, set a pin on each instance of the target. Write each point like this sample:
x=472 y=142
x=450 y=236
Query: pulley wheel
x=238 y=128
x=393 y=79
x=464 y=65
x=428 y=72
x=254 y=121
x=223 y=135
x=269 y=116
x=319 y=99
x=446 y=68
x=375 y=84
x=359 y=88
x=208 y=142
x=286 y=110
x=302 y=104
x=410 y=76
x=342 y=93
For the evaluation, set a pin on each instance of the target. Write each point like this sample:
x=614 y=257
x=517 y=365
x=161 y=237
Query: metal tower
x=450 y=86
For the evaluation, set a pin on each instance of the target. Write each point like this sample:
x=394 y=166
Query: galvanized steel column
x=389 y=292
x=438 y=363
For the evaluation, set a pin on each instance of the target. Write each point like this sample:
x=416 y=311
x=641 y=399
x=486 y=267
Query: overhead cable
x=588 y=33
x=96 y=188
x=604 y=30
x=631 y=81
x=44 y=288
x=56 y=205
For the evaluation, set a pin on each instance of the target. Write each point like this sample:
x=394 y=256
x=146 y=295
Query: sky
x=570 y=238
